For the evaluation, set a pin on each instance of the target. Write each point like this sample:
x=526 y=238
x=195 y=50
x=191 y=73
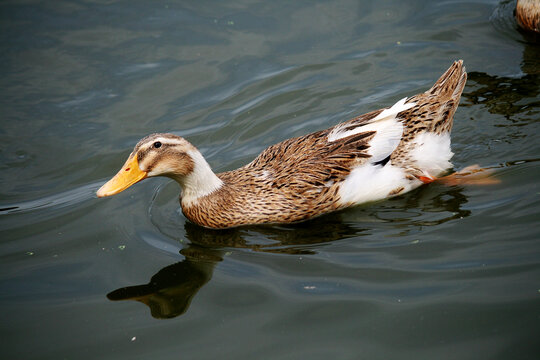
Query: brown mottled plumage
x=379 y=154
x=274 y=178
x=528 y=15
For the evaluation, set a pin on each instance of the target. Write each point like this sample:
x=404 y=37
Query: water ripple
x=57 y=201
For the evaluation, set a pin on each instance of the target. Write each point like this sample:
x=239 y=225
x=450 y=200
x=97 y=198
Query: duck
x=374 y=156
x=528 y=15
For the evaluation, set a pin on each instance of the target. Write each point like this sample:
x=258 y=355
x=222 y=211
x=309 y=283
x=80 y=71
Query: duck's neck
x=200 y=182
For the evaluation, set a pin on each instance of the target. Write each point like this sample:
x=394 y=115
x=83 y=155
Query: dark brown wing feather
x=321 y=161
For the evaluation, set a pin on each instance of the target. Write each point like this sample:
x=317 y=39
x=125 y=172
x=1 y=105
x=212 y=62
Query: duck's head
x=165 y=155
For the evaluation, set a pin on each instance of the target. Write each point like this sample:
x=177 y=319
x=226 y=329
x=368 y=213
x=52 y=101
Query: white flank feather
x=371 y=183
x=432 y=152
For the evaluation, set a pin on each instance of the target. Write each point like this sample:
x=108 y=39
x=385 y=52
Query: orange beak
x=128 y=175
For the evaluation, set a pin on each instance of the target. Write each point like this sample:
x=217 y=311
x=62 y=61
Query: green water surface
x=444 y=272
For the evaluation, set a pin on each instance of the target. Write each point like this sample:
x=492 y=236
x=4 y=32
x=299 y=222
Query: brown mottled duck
x=374 y=156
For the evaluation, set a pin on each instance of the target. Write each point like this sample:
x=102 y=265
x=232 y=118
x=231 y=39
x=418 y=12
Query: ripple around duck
x=58 y=202
x=504 y=21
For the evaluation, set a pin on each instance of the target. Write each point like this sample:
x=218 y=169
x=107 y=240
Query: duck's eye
x=157 y=144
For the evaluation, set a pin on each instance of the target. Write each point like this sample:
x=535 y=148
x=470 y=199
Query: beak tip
x=100 y=193
x=128 y=175
x=105 y=191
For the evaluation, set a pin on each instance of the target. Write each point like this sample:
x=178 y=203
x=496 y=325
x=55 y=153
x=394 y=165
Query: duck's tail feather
x=450 y=85
x=441 y=101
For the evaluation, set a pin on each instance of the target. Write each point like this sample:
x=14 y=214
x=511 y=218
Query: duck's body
x=381 y=154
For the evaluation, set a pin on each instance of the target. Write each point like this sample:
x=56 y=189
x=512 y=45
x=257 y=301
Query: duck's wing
x=326 y=157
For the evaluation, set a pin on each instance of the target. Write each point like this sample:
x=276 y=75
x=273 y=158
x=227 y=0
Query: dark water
x=444 y=272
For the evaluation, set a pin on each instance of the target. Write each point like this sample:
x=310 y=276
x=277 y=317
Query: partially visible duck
x=528 y=15
x=374 y=156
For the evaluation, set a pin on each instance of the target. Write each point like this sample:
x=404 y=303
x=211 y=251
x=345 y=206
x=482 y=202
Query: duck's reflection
x=299 y=239
x=170 y=291
x=507 y=96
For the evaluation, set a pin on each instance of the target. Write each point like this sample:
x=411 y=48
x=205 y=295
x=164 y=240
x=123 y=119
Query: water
x=444 y=272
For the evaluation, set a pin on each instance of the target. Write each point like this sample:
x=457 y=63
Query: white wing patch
x=394 y=110
x=387 y=137
x=387 y=126
x=387 y=114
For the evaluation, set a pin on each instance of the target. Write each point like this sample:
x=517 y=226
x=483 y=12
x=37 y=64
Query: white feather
x=387 y=126
x=370 y=182
x=394 y=110
x=432 y=152
x=386 y=138
x=389 y=114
